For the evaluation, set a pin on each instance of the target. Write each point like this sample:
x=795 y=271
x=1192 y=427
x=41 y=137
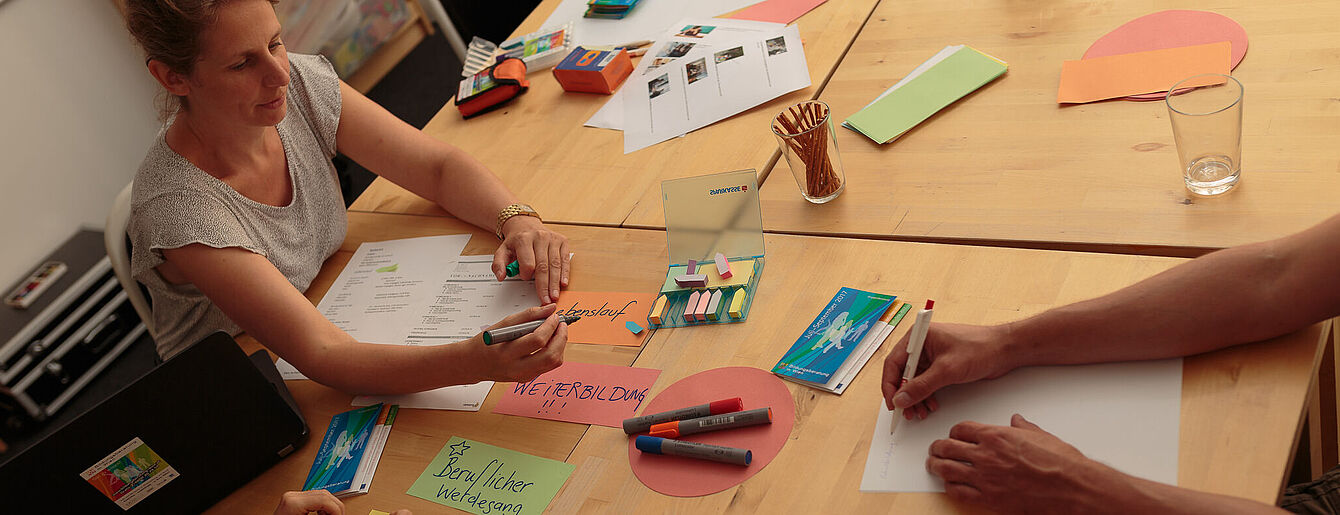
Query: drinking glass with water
x=1207 y=125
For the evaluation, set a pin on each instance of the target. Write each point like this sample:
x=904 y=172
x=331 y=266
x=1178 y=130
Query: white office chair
x=114 y=237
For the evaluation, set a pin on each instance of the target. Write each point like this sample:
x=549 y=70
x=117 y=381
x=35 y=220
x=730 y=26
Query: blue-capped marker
x=702 y=451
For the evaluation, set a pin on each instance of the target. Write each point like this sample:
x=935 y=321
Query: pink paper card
x=585 y=393
x=777 y=11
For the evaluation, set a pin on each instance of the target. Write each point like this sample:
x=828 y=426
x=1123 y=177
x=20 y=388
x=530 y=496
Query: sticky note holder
x=705 y=216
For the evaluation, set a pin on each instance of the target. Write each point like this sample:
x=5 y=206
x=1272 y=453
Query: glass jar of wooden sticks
x=805 y=134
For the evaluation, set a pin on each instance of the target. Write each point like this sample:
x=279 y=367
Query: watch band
x=511 y=211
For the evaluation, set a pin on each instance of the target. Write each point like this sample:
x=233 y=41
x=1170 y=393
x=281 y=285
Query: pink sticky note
x=692 y=268
x=777 y=11
x=723 y=266
x=690 y=306
x=700 y=312
x=585 y=393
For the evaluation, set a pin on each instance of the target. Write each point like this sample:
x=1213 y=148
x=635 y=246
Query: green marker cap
x=513 y=269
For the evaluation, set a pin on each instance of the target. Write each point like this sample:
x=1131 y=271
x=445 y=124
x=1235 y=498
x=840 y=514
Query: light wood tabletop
x=1007 y=165
x=570 y=173
x=605 y=260
x=1241 y=407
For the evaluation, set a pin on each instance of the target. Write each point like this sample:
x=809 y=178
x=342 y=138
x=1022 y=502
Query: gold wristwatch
x=514 y=210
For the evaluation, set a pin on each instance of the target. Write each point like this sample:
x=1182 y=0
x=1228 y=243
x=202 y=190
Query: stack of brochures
x=350 y=451
x=941 y=80
x=840 y=341
x=609 y=9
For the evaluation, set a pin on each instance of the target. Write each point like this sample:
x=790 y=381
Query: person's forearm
x=1134 y=495
x=469 y=191
x=367 y=369
x=1234 y=296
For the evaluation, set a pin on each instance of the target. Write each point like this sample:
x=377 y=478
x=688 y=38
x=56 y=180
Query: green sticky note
x=389 y=268
x=957 y=75
x=480 y=478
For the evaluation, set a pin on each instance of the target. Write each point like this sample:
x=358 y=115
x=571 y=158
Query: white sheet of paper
x=468 y=397
x=724 y=32
x=424 y=287
x=668 y=101
x=1123 y=414
x=645 y=21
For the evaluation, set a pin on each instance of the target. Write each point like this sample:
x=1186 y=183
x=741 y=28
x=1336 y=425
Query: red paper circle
x=691 y=477
x=1171 y=29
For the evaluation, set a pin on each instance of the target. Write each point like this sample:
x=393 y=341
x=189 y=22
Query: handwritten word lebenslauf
x=603 y=311
x=577 y=390
x=479 y=498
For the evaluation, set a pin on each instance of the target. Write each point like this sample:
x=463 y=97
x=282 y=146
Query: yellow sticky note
x=1121 y=75
x=378 y=512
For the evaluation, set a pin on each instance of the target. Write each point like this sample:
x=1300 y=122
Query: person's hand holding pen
x=540 y=253
x=524 y=358
x=951 y=354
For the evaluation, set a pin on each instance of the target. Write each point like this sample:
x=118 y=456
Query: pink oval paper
x=690 y=477
x=1169 y=29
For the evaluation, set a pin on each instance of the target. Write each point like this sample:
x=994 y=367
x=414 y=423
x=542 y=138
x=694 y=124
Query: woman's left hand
x=541 y=253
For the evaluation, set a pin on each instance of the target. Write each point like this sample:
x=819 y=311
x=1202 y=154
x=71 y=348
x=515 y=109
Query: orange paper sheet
x=1121 y=75
x=585 y=393
x=603 y=316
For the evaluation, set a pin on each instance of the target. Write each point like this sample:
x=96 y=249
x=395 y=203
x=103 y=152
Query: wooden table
x=1008 y=166
x=1240 y=413
x=606 y=260
x=577 y=174
x=1241 y=408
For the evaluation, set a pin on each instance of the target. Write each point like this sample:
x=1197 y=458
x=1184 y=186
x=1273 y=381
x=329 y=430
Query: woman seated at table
x=237 y=204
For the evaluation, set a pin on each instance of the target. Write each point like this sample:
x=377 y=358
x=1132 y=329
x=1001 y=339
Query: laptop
x=187 y=434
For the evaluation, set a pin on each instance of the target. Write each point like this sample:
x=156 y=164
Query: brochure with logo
x=845 y=332
x=343 y=451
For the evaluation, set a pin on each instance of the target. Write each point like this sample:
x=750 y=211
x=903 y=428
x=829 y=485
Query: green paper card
x=480 y=478
x=919 y=97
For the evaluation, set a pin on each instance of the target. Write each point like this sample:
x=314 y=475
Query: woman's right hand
x=952 y=354
x=527 y=357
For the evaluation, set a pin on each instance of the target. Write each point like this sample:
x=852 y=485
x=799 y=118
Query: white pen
x=914 y=345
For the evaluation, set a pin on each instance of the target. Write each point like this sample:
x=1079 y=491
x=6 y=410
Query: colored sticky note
x=603 y=316
x=777 y=11
x=1101 y=78
x=917 y=99
x=585 y=393
x=633 y=327
x=378 y=512
x=480 y=478
x=744 y=272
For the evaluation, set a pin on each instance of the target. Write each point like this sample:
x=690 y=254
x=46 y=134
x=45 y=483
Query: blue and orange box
x=593 y=71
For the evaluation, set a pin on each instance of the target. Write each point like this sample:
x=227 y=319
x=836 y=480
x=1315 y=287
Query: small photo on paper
x=776 y=45
x=696 y=70
x=695 y=31
x=658 y=86
x=675 y=49
x=657 y=62
x=728 y=54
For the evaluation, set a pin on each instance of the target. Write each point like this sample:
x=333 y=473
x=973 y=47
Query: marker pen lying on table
x=643 y=423
x=914 y=345
x=507 y=334
x=702 y=451
x=713 y=423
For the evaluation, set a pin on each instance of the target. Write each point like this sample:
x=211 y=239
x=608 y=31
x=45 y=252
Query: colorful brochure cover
x=342 y=449
x=833 y=335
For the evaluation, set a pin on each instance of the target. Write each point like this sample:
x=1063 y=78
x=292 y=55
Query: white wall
x=76 y=115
